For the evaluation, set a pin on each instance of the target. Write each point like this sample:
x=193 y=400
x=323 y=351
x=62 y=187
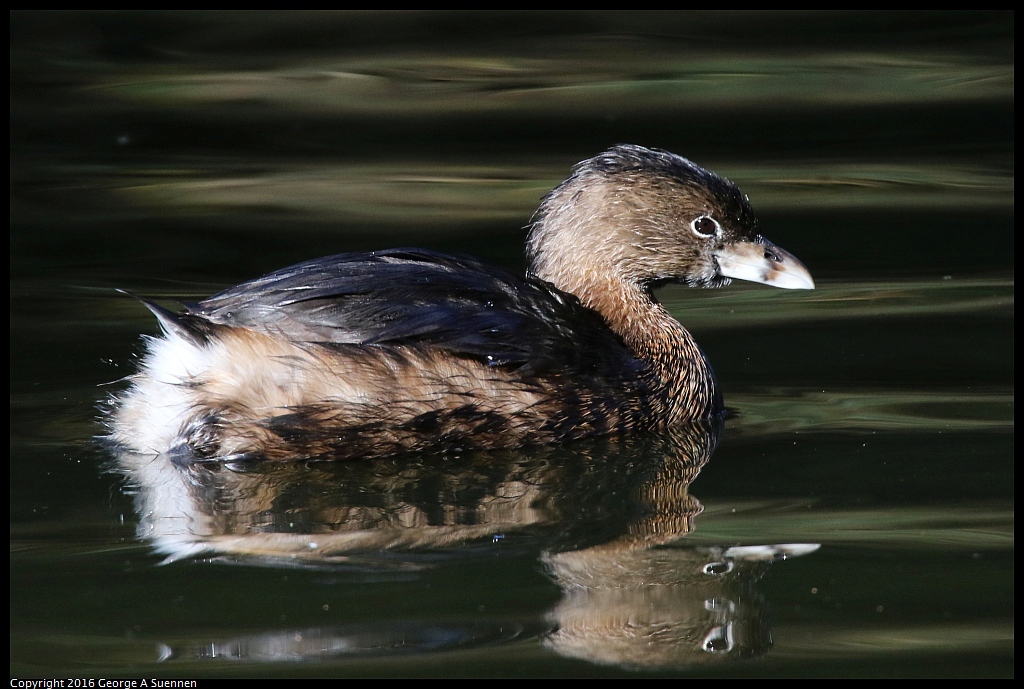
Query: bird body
x=385 y=352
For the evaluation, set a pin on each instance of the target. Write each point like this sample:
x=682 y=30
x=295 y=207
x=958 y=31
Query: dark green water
x=173 y=154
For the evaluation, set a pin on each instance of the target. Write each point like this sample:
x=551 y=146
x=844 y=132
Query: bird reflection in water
x=607 y=518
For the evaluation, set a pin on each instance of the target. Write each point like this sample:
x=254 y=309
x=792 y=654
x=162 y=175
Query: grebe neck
x=678 y=368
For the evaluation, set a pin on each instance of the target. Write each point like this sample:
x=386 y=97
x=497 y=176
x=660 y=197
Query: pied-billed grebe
x=371 y=354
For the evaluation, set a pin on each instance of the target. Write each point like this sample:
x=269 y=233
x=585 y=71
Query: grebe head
x=635 y=217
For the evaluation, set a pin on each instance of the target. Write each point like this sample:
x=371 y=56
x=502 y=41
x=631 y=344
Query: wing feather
x=423 y=298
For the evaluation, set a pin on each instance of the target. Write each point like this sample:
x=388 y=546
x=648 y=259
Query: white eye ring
x=705 y=226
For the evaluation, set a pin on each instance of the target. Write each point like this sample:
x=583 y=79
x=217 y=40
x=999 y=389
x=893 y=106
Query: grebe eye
x=704 y=226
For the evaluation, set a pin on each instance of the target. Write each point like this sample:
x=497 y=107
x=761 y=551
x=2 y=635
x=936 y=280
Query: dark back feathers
x=423 y=298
